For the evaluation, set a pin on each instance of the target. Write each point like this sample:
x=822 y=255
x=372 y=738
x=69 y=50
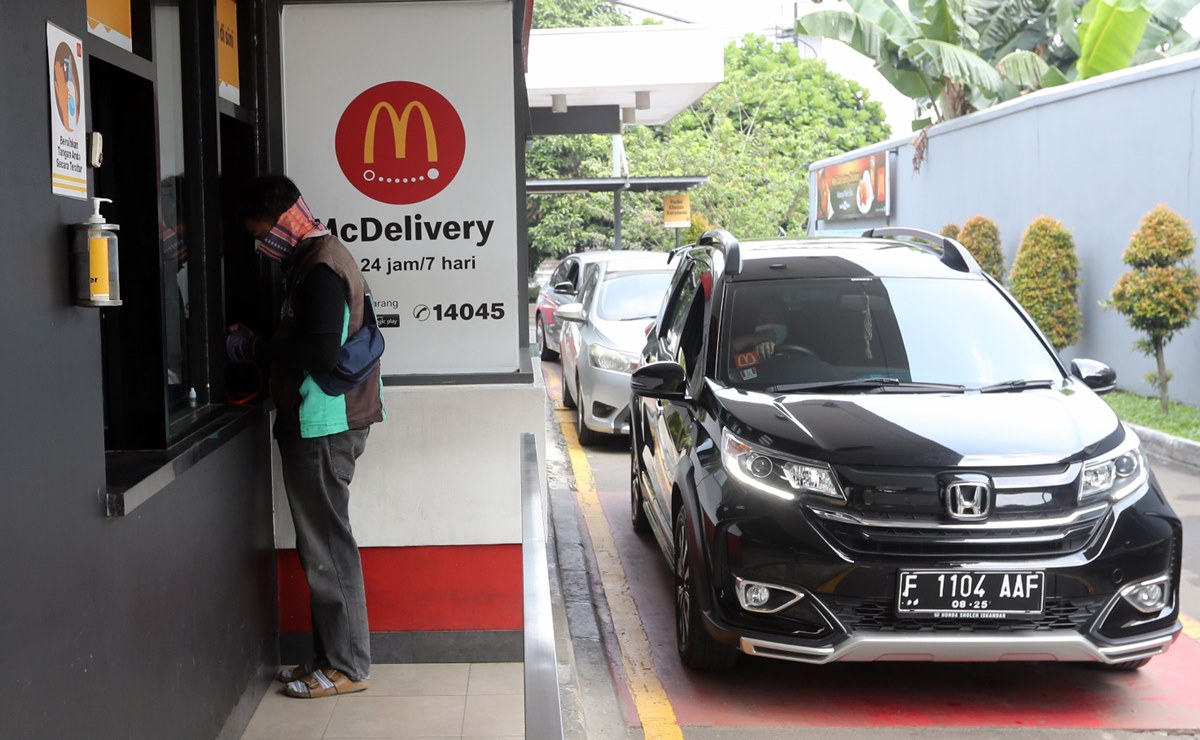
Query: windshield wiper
x=877 y=384
x=1009 y=386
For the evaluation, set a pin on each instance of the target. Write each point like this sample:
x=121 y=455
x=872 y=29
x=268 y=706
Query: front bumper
x=869 y=647
x=847 y=611
x=606 y=399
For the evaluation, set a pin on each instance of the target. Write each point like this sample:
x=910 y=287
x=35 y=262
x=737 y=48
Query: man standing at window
x=319 y=436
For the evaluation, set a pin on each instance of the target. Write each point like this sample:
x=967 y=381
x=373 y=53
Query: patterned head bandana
x=294 y=226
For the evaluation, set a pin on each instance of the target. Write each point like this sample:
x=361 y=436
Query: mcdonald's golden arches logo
x=400 y=142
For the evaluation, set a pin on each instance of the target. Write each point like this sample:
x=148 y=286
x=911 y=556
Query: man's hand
x=765 y=349
x=241 y=345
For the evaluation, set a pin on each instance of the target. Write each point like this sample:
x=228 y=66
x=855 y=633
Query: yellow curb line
x=1191 y=627
x=649 y=697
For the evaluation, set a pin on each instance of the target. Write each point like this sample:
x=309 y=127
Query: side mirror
x=666 y=380
x=565 y=286
x=1094 y=374
x=570 y=312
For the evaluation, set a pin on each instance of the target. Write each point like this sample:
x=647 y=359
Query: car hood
x=627 y=336
x=1040 y=426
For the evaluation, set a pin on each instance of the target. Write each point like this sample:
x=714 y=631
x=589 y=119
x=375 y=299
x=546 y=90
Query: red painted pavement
x=451 y=587
x=759 y=692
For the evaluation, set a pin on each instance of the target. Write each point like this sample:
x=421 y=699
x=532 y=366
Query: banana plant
x=924 y=51
x=956 y=56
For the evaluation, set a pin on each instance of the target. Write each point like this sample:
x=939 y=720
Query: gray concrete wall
x=1096 y=155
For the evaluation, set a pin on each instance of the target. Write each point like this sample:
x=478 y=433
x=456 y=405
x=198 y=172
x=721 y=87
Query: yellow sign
x=677 y=211
x=111 y=20
x=98 y=267
x=227 y=51
x=400 y=131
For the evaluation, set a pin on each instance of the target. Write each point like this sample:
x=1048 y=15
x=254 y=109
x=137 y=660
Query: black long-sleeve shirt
x=320 y=308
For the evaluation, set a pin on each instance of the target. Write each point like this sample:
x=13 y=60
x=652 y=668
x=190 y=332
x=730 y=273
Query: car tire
x=697 y=649
x=539 y=333
x=637 y=504
x=586 y=436
x=1128 y=665
x=567 y=398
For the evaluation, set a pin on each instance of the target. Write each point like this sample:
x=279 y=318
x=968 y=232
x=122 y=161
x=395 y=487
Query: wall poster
x=68 y=141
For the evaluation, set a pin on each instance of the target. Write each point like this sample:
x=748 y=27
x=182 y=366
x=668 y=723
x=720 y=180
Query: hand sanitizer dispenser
x=94 y=253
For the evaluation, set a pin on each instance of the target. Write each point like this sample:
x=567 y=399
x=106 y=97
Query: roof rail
x=724 y=241
x=954 y=255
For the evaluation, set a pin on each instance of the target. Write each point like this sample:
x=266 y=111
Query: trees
x=754 y=135
x=1045 y=280
x=1159 y=295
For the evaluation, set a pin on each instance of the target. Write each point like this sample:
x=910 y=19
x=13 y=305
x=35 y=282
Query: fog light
x=1148 y=597
x=765 y=598
x=757 y=595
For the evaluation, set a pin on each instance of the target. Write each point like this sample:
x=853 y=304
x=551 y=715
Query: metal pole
x=677 y=237
x=616 y=219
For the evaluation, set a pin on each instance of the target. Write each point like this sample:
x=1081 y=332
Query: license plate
x=971 y=594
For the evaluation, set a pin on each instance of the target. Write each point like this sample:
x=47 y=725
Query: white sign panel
x=399 y=131
x=68 y=144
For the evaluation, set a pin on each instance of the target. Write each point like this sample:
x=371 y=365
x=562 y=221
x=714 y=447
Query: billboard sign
x=854 y=190
x=407 y=152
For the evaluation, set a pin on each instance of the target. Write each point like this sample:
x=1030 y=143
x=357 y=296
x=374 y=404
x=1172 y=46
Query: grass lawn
x=1183 y=421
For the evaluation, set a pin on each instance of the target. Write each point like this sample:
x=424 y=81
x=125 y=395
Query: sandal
x=299 y=672
x=324 y=682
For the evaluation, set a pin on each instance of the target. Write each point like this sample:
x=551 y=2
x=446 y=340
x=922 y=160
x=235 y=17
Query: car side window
x=573 y=274
x=590 y=280
x=559 y=274
x=676 y=315
x=691 y=331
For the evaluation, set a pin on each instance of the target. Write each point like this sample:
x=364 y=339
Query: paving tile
x=280 y=716
x=418 y=679
x=496 y=715
x=397 y=716
x=497 y=678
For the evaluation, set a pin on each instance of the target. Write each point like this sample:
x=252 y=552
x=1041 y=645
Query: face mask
x=780 y=331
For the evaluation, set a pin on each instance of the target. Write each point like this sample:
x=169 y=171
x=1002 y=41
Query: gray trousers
x=317 y=474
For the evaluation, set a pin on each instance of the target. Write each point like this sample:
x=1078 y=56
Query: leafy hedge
x=1045 y=280
x=981 y=237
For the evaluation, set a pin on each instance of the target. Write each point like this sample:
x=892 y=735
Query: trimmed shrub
x=981 y=237
x=700 y=224
x=1159 y=296
x=1045 y=280
x=950 y=230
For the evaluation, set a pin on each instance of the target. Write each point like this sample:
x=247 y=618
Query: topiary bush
x=1045 y=280
x=981 y=237
x=950 y=230
x=1159 y=296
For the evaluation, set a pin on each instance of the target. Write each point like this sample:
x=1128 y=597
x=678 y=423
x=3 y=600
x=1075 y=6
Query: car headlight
x=779 y=475
x=1117 y=473
x=607 y=358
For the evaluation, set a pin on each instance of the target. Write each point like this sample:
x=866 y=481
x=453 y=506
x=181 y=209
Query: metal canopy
x=614 y=184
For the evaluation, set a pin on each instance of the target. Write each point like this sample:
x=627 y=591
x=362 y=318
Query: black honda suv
x=862 y=449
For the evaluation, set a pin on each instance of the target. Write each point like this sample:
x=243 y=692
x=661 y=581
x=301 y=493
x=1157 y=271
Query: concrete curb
x=1175 y=449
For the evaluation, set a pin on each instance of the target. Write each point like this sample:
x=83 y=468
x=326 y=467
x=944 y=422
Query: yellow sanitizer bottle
x=97 y=281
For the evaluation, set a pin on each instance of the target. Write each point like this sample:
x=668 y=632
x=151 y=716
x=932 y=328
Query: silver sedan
x=603 y=335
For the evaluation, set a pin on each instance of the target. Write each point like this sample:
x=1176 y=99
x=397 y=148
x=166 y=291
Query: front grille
x=879 y=615
x=1033 y=512
x=875 y=537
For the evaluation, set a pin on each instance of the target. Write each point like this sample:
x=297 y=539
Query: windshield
x=952 y=332
x=632 y=295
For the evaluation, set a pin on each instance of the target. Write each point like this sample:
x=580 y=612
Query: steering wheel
x=787 y=349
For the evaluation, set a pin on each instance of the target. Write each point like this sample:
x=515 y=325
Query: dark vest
x=295 y=394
